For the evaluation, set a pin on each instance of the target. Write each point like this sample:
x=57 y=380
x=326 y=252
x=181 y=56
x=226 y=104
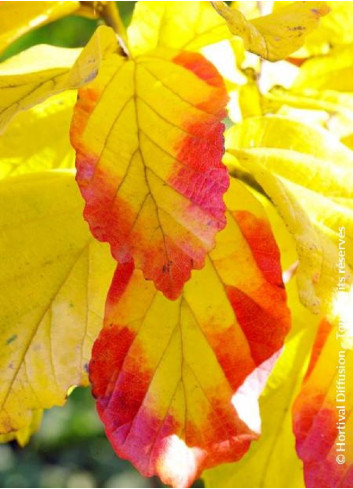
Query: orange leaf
x=177 y=382
x=149 y=145
x=322 y=413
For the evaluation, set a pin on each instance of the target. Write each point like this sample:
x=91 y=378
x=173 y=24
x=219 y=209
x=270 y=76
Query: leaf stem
x=111 y=16
x=109 y=13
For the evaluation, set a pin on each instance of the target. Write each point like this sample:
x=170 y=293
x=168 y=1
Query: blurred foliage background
x=70 y=449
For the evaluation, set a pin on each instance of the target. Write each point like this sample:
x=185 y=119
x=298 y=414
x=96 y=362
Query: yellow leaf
x=279 y=34
x=334 y=29
x=251 y=9
x=42 y=71
x=331 y=72
x=333 y=110
x=176 y=25
x=250 y=102
x=23 y=435
x=312 y=164
x=336 y=214
x=54 y=278
x=348 y=141
x=17 y=18
x=278 y=152
x=38 y=139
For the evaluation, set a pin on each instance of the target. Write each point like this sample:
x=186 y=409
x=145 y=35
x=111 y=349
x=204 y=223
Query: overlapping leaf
x=294 y=164
x=322 y=413
x=41 y=71
x=332 y=30
x=18 y=18
x=177 y=382
x=330 y=72
x=38 y=139
x=176 y=25
x=279 y=34
x=332 y=109
x=23 y=435
x=272 y=460
x=54 y=279
x=263 y=465
x=149 y=145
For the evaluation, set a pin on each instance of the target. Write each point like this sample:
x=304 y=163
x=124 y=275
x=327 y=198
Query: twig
x=108 y=12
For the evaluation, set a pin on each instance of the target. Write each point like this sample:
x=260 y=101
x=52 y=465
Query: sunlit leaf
x=275 y=448
x=278 y=34
x=251 y=9
x=177 y=25
x=177 y=382
x=41 y=71
x=23 y=435
x=263 y=465
x=54 y=278
x=291 y=160
x=334 y=29
x=331 y=72
x=149 y=145
x=17 y=18
x=268 y=461
x=38 y=139
x=332 y=109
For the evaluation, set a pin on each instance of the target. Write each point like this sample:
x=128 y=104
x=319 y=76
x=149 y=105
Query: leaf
x=54 y=278
x=149 y=145
x=251 y=9
x=38 y=139
x=278 y=152
x=322 y=413
x=23 y=435
x=17 y=19
x=315 y=167
x=332 y=30
x=176 y=25
x=42 y=71
x=177 y=382
x=277 y=35
x=331 y=72
x=337 y=105
x=272 y=460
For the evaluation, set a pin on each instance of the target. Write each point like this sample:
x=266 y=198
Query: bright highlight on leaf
x=176 y=25
x=294 y=163
x=177 y=382
x=54 y=278
x=277 y=35
x=17 y=18
x=331 y=72
x=334 y=29
x=42 y=71
x=149 y=145
x=38 y=139
x=331 y=109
